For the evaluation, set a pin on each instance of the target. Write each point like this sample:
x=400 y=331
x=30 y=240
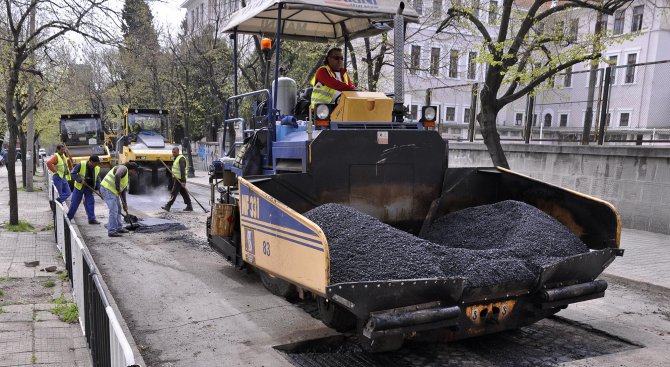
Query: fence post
x=473 y=112
x=530 y=102
x=604 y=105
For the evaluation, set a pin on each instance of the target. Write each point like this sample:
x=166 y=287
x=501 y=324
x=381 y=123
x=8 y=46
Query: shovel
x=129 y=218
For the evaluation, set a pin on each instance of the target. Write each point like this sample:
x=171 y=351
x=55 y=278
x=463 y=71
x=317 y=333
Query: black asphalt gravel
x=486 y=245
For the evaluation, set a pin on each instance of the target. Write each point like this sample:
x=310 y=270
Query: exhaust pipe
x=398 y=60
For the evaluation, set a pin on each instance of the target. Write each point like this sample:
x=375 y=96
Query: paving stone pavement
x=646 y=258
x=29 y=333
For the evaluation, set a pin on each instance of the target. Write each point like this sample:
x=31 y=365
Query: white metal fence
x=106 y=340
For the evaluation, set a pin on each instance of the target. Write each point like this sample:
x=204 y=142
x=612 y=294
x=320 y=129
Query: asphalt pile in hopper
x=486 y=245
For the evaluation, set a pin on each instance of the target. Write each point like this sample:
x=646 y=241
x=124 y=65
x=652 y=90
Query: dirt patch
x=26 y=290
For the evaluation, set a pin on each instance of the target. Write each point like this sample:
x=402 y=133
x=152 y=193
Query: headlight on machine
x=322 y=112
x=322 y=115
x=428 y=116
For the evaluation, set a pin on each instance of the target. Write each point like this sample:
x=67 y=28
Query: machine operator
x=330 y=79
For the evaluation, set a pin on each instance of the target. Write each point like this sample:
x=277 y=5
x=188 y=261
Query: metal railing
x=106 y=340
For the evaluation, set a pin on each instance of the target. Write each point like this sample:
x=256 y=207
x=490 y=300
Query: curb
x=641 y=284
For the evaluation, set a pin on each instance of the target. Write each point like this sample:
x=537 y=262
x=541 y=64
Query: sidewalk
x=646 y=258
x=30 y=334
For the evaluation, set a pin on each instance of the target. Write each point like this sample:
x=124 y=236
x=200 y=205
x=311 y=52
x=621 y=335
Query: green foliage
x=22 y=226
x=49 y=284
x=66 y=312
x=2 y=293
x=59 y=301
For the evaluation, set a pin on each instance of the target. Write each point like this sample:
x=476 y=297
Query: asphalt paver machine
x=361 y=152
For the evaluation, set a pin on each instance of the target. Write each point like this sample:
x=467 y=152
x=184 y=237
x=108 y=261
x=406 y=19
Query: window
x=603 y=22
x=630 y=68
x=192 y=20
x=437 y=9
x=518 y=119
x=574 y=30
x=418 y=6
x=547 y=120
x=624 y=119
x=453 y=64
x=563 y=122
x=608 y=121
x=416 y=59
x=613 y=62
x=619 y=17
x=559 y=29
x=434 y=60
x=475 y=8
x=450 y=114
x=567 y=78
x=466 y=115
x=493 y=12
x=535 y=119
x=472 y=67
x=636 y=25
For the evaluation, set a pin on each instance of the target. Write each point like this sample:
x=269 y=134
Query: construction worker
x=113 y=188
x=330 y=79
x=58 y=165
x=86 y=179
x=179 y=169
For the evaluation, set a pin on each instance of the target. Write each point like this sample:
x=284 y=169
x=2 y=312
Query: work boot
x=188 y=208
x=93 y=222
x=114 y=234
x=122 y=230
x=166 y=208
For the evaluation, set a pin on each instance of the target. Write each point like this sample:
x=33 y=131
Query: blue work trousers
x=63 y=188
x=115 y=221
x=89 y=203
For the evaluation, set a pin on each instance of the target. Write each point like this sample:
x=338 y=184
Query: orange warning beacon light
x=266 y=44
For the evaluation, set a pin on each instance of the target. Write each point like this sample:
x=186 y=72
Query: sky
x=168 y=13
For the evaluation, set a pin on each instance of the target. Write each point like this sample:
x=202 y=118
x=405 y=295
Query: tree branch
x=546 y=75
x=454 y=13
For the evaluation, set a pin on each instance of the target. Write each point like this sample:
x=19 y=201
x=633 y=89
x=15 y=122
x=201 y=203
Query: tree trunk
x=11 y=175
x=487 y=122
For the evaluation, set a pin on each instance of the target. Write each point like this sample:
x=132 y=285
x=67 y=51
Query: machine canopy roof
x=319 y=20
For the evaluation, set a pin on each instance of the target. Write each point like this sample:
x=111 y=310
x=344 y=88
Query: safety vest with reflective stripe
x=82 y=174
x=110 y=184
x=62 y=168
x=177 y=170
x=323 y=94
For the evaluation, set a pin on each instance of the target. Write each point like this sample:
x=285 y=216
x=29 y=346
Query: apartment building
x=444 y=67
x=200 y=13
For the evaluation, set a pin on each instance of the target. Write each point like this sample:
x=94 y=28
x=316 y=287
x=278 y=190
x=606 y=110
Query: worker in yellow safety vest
x=179 y=173
x=113 y=189
x=86 y=179
x=58 y=165
x=330 y=79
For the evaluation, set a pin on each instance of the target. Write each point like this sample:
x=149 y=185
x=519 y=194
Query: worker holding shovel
x=86 y=179
x=113 y=188
x=179 y=168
